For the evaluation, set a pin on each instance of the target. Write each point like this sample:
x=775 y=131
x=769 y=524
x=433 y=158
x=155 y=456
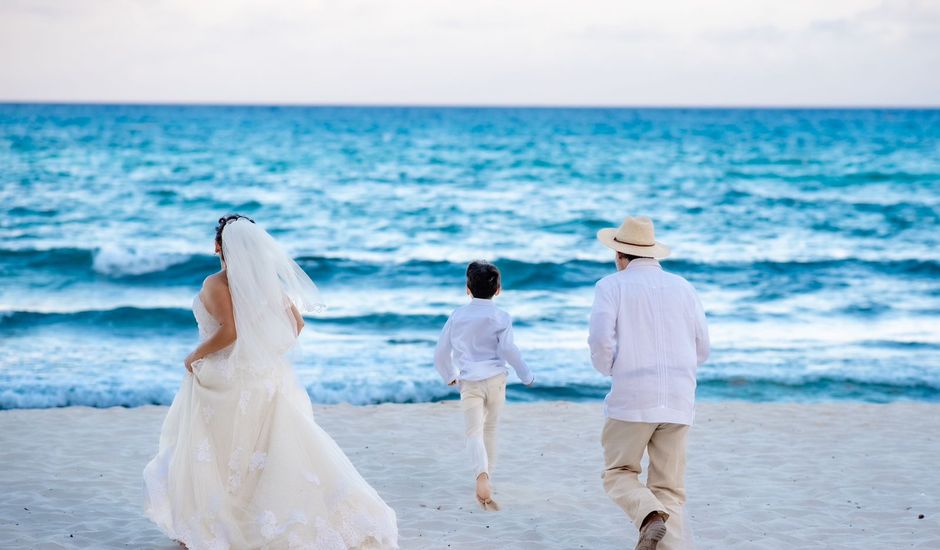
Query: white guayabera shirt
x=648 y=333
x=476 y=344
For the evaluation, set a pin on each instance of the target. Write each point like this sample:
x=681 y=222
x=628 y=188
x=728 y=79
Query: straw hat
x=634 y=237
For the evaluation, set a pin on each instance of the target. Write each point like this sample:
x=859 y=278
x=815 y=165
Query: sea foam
x=117 y=260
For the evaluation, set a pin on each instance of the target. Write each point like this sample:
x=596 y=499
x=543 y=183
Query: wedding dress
x=242 y=464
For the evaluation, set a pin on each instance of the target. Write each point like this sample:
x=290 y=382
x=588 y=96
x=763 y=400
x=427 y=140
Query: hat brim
x=606 y=237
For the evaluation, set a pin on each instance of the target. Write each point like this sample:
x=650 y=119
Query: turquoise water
x=813 y=237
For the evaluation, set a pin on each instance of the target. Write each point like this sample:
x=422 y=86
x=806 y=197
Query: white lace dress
x=242 y=464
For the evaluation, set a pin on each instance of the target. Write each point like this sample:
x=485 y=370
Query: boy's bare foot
x=485 y=493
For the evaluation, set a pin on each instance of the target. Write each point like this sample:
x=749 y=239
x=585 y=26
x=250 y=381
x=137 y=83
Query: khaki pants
x=481 y=402
x=624 y=443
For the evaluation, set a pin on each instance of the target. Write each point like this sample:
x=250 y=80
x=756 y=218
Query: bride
x=242 y=463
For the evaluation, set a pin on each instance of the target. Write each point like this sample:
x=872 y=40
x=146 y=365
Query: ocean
x=812 y=236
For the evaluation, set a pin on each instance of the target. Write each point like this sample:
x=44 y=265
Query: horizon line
x=404 y=105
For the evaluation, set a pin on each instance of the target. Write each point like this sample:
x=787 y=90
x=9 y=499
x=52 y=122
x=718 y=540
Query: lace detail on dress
x=235 y=470
x=208 y=411
x=267 y=525
x=223 y=491
x=204 y=451
x=207 y=327
x=349 y=526
x=257 y=461
x=311 y=477
x=327 y=537
x=356 y=526
x=207 y=323
x=243 y=400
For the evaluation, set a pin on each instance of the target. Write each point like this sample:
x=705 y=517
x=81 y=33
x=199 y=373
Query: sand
x=842 y=475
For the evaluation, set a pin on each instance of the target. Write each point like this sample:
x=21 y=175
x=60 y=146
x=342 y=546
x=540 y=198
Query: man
x=648 y=333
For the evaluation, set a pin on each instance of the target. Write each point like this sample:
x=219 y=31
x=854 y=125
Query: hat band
x=634 y=244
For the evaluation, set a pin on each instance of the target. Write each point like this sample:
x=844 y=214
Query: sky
x=473 y=52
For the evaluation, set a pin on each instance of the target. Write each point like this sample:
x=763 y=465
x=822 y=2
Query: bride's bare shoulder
x=215 y=284
x=215 y=294
x=215 y=280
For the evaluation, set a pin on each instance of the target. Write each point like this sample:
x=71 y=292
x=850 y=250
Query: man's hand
x=530 y=384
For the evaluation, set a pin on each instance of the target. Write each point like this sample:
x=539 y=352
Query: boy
x=473 y=349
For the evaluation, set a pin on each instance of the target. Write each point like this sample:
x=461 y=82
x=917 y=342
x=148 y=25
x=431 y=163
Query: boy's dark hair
x=482 y=279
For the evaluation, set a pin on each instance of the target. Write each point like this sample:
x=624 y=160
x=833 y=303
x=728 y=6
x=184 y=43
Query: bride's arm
x=218 y=302
x=298 y=318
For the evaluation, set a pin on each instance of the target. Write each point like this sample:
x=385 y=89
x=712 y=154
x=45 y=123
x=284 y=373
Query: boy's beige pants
x=482 y=402
x=624 y=443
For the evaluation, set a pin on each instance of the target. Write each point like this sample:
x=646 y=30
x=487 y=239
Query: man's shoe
x=651 y=534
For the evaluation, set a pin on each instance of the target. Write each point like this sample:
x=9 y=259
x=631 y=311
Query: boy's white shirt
x=476 y=344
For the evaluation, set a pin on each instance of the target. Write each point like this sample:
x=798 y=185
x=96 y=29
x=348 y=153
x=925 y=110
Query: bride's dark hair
x=226 y=220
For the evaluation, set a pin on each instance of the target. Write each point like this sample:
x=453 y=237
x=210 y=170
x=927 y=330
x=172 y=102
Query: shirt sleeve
x=702 y=342
x=443 y=359
x=508 y=352
x=602 y=339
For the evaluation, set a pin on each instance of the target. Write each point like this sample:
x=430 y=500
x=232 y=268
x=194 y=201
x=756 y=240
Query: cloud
x=730 y=52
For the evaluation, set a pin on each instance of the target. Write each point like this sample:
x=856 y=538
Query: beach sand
x=841 y=475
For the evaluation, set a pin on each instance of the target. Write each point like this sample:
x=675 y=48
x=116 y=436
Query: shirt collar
x=644 y=262
x=482 y=301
